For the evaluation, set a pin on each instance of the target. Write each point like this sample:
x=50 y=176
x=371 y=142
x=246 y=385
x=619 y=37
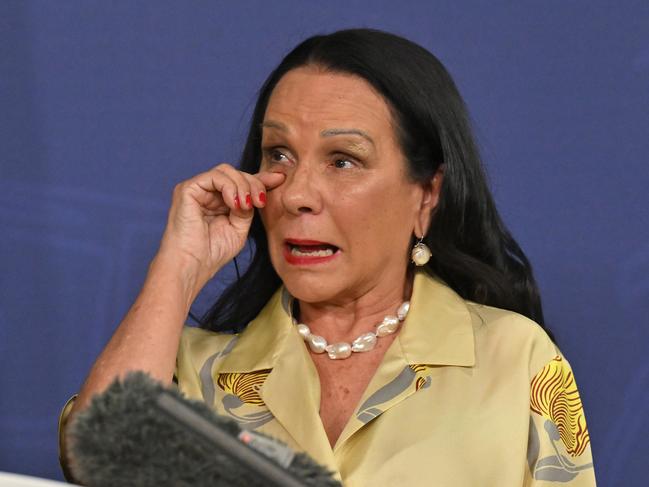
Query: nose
x=300 y=192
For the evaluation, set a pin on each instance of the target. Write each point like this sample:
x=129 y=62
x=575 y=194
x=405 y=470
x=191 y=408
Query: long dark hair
x=473 y=252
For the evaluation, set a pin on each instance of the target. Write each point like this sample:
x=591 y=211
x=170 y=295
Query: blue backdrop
x=104 y=106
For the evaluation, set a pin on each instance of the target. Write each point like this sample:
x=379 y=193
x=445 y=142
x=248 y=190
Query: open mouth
x=310 y=249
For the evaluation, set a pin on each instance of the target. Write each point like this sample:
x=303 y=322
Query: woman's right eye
x=275 y=156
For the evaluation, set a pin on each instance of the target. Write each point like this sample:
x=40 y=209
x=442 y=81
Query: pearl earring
x=420 y=253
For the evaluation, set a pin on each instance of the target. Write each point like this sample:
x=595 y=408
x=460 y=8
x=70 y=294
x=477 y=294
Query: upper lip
x=302 y=241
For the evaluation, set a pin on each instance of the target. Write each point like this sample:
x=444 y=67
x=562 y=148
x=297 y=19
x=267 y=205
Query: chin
x=313 y=288
x=312 y=282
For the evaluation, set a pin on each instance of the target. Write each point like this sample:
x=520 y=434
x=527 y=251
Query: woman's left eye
x=343 y=163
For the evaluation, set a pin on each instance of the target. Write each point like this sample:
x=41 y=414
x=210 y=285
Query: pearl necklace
x=363 y=343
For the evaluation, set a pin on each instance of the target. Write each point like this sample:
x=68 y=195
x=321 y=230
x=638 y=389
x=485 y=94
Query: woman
x=384 y=324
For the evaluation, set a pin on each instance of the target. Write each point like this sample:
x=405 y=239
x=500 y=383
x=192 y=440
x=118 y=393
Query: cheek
x=361 y=214
x=377 y=218
x=270 y=216
x=271 y=209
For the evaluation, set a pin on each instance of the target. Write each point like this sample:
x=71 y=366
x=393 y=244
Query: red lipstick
x=307 y=252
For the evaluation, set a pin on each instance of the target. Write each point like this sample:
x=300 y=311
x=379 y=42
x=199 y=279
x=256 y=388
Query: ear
x=429 y=201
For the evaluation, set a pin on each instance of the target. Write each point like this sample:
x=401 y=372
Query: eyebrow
x=274 y=125
x=324 y=133
x=332 y=132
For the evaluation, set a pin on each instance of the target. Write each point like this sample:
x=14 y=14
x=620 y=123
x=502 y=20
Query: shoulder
x=197 y=352
x=510 y=339
x=200 y=342
x=503 y=341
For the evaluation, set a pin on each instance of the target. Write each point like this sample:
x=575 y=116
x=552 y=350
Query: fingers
x=238 y=190
x=242 y=190
x=220 y=185
x=213 y=188
x=257 y=190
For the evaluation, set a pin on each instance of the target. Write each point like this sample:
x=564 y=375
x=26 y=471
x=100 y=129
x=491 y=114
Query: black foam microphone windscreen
x=140 y=433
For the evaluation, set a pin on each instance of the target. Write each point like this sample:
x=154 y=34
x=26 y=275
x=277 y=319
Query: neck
x=345 y=320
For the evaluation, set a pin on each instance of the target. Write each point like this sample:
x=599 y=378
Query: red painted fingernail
x=248 y=201
x=237 y=203
x=262 y=197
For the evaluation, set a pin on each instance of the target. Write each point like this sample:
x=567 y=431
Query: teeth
x=312 y=253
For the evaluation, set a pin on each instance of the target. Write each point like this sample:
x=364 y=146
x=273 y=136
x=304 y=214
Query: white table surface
x=15 y=480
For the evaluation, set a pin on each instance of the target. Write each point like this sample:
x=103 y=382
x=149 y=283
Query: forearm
x=148 y=337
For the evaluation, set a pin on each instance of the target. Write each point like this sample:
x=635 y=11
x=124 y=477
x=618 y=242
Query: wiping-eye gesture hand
x=210 y=218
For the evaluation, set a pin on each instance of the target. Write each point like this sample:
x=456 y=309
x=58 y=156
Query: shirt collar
x=262 y=341
x=437 y=331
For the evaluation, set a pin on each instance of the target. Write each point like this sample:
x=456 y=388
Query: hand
x=210 y=217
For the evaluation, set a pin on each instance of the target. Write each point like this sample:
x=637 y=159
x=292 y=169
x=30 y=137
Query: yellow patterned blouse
x=466 y=395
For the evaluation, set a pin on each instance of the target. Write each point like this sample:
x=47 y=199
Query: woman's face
x=340 y=225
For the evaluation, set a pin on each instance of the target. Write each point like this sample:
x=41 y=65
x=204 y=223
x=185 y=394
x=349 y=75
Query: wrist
x=178 y=270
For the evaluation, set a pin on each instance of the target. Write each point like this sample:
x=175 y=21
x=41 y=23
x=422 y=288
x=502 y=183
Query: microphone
x=141 y=433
